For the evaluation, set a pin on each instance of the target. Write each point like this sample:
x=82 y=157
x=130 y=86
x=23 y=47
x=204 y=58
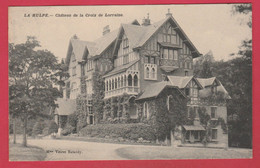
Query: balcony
x=169 y=65
x=169 y=62
x=117 y=92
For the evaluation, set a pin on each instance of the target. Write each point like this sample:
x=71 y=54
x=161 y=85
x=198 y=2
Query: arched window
x=169 y=100
x=153 y=73
x=122 y=81
x=125 y=80
x=109 y=84
x=145 y=110
x=135 y=80
x=113 y=84
x=129 y=80
x=106 y=85
x=147 y=73
x=116 y=83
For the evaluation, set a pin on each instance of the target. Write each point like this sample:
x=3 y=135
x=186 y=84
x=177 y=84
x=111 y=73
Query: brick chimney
x=169 y=13
x=106 y=30
x=146 y=21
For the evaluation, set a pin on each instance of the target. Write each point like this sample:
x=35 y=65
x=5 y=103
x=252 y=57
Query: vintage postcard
x=130 y=82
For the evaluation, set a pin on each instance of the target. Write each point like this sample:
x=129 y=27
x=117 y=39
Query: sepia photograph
x=130 y=82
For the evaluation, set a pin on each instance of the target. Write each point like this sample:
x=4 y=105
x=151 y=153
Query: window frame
x=146 y=110
x=212 y=135
x=214 y=111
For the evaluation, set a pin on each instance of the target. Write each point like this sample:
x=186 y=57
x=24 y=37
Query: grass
x=19 y=153
x=145 y=153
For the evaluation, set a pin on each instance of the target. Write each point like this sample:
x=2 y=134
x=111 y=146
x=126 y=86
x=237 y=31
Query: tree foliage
x=32 y=76
x=236 y=77
x=203 y=66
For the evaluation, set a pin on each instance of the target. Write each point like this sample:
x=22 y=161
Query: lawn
x=153 y=152
x=19 y=153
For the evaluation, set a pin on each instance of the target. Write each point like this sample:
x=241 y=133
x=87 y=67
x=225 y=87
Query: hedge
x=131 y=131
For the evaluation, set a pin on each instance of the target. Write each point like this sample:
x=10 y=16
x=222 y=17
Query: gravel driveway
x=77 y=150
x=81 y=150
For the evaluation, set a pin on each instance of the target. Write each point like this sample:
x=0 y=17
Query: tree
x=32 y=76
x=236 y=76
x=203 y=66
x=38 y=128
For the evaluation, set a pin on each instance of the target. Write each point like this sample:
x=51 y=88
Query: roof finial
x=169 y=13
x=75 y=36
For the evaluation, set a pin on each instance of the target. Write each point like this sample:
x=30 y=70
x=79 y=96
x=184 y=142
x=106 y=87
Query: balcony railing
x=116 y=92
x=169 y=62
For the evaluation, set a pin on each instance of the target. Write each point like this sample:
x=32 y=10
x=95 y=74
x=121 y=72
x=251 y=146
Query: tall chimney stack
x=146 y=21
x=106 y=30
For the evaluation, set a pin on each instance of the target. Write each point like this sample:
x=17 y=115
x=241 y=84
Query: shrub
x=68 y=130
x=127 y=131
x=53 y=127
x=38 y=127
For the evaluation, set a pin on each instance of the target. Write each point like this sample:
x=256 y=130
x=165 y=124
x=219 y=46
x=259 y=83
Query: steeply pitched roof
x=80 y=46
x=138 y=36
x=182 y=81
x=205 y=82
x=134 y=33
x=103 y=42
x=149 y=31
x=153 y=90
x=66 y=106
x=120 y=68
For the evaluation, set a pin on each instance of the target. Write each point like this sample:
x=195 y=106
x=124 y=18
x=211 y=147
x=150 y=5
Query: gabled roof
x=206 y=82
x=79 y=47
x=153 y=28
x=149 y=31
x=103 y=42
x=182 y=81
x=193 y=128
x=120 y=68
x=153 y=90
x=138 y=36
x=65 y=106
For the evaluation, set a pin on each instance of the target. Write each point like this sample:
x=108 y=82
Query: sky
x=209 y=27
